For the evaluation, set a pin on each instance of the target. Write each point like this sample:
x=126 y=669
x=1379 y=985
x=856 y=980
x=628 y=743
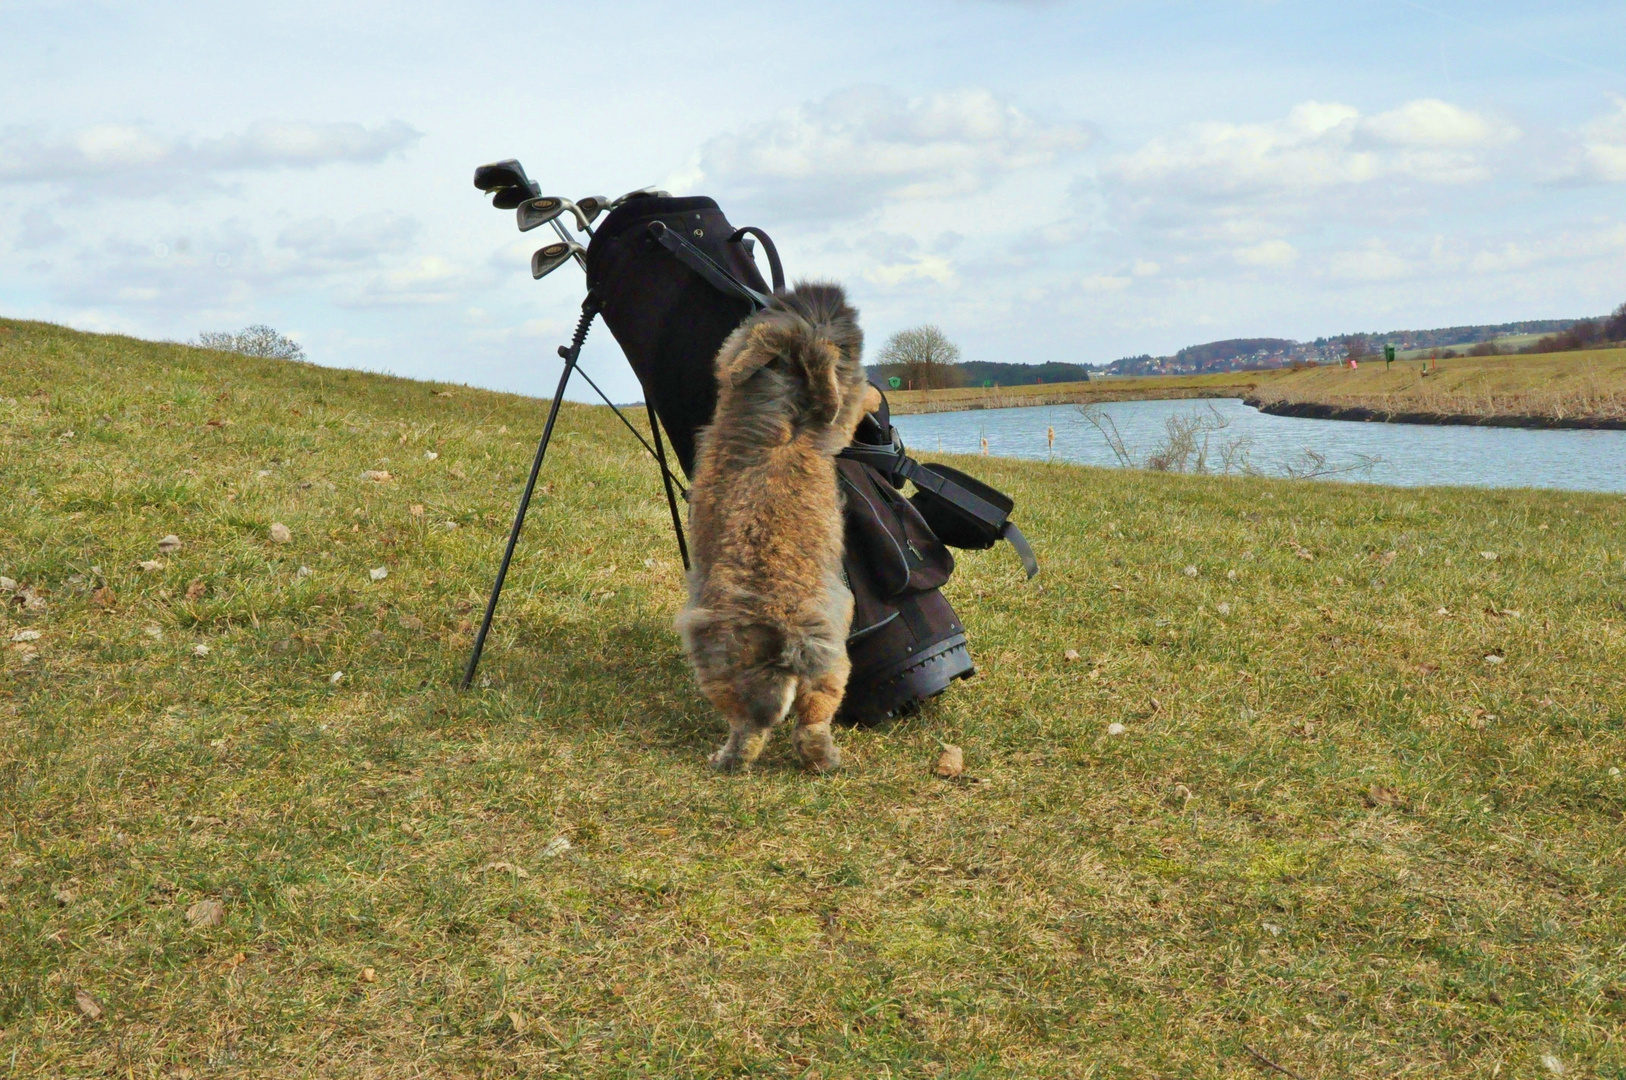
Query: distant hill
x=977 y=372
x=1252 y=354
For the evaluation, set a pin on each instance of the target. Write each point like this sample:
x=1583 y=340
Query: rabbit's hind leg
x=817 y=699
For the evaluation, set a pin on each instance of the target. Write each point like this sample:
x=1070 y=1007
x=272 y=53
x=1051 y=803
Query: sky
x=1044 y=180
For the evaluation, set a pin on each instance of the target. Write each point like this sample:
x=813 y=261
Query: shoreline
x=1314 y=410
x=917 y=402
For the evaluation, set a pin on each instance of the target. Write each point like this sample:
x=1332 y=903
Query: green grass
x=1332 y=833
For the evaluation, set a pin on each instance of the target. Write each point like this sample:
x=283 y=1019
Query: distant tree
x=1484 y=348
x=925 y=355
x=1356 y=347
x=1615 y=328
x=256 y=340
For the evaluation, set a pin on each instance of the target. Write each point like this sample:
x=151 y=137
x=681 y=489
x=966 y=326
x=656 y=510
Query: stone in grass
x=151 y=565
x=26 y=635
x=336 y=678
x=88 y=1005
x=206 y=913
x=200 y=650
x=377 y=476
x=1116 y=728
x=951 y=762
x=169 y=544
x=555 y=847
x=280 y=533
x=379 y=573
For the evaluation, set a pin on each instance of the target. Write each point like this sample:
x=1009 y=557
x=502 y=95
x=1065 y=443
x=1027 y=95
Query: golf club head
x=510 y=197
x=550 y=258
x=657 y=192
x=593 y=206
x=501 y=174
x=538 y=211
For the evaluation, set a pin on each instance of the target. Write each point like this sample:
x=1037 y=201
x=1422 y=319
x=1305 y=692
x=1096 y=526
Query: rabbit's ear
x=748 y=349
x=819 y=360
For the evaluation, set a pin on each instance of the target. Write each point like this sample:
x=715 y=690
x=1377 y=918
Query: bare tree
x=256 y=340
x=1357 y=347
x=927 y=358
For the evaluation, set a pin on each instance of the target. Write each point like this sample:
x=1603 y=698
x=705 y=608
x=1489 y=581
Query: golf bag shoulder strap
x=774 y=267
x=704 y=265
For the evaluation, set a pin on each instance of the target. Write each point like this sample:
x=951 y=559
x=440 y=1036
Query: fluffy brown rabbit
x=768 y=613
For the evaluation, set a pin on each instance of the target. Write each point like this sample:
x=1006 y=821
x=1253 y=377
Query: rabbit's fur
x=766 y=622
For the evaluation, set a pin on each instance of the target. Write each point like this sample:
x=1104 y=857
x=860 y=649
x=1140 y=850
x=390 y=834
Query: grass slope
x=1332 y=834
x=1570 y=385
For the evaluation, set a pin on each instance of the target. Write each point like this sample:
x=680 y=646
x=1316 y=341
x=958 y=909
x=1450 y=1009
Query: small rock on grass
x=280 y=533
x=169 y=544
x=377 y=476
x=1116 y=729
x=336 y=678
x=368 y=975
x=951 y=762
x=206 y=913
x=379 y=573
x=200 y=650
x=88 y=1005
x=1070 y=655
x=195 y=589
x=150 y=565
x=26 y=635
x=555 y=847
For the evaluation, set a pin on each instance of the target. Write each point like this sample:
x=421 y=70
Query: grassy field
x=1139 y=388
x=1363 y=817
x=1554 y=386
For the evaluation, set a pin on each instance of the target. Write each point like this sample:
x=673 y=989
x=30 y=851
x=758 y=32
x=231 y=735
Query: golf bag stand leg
x=569 y=354
x=666 y=478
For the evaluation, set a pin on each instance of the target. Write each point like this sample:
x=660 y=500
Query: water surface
x=1407 y=455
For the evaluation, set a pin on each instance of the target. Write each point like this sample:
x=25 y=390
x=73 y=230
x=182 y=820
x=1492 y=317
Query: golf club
x=593 y=206
x=541 y=210
x=538 y=211
x=657 y=192
x=507 y=182
x=550 y=258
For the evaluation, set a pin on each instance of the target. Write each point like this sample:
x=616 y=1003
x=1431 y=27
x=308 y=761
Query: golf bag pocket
x=906 y=643
x=903 y=554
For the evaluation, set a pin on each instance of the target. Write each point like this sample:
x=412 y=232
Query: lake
x=1401 y=454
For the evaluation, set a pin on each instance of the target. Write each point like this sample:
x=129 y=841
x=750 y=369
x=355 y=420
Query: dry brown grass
x=1556 y=386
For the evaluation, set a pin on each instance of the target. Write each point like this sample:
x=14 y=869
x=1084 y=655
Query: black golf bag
x=672 y=279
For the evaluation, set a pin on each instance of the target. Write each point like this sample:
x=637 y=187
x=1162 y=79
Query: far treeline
x=923 y=357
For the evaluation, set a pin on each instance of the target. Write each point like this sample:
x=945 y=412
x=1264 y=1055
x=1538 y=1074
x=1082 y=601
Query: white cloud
x=1318 y=145
x=1603 y=146
x=1269 y=253
x=321 y=240
x=1371 y=262
x=841 y=155
x=136 y=157
x=1434 y=124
